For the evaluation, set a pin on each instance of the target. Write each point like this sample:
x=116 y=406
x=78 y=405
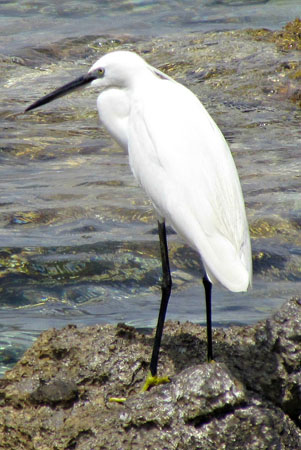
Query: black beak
x=60 y=92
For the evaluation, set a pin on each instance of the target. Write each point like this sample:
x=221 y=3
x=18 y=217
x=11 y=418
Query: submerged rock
x=57 y=396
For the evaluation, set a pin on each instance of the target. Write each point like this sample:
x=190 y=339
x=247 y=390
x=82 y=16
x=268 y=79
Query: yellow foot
x=154 y=380
x=117 y=399
x=149 y=382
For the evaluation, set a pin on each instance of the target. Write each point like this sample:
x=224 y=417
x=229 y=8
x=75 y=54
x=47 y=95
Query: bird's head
x=116 y=69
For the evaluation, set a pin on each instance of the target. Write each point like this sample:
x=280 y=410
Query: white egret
x=181 y=159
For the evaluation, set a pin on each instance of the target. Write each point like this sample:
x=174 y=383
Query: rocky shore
x=57 y=396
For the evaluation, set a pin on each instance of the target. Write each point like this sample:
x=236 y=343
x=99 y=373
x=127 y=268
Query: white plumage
x=181 y=159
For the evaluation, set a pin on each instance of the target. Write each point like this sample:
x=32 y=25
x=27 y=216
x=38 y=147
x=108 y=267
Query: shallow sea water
x=78 y=236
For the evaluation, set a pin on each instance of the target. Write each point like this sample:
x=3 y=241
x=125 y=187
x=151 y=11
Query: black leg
x=166 y=290
x=208 y=287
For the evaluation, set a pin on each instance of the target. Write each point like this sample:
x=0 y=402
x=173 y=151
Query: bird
x=181 y=159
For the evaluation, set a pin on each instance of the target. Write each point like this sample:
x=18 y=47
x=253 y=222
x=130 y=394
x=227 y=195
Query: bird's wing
x=181 y=159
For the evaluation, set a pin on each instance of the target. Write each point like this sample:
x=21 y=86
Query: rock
x=57 y=396
x=55 y=392
x=271 y=366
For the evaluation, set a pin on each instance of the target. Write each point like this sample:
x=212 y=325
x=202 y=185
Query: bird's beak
x=66 y=89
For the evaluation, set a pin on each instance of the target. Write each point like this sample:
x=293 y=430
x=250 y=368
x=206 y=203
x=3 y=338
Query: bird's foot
x=154 y=380
x=151 y=380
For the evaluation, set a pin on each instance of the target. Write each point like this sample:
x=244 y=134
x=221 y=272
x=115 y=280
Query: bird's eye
x=100 y=72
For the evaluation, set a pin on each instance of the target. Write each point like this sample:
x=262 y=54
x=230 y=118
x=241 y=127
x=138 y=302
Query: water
x=78 y=237
x=24 y=23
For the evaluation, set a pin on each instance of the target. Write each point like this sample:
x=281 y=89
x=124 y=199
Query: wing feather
x=183 y=162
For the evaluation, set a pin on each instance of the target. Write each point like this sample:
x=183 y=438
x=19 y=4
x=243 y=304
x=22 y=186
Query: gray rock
x=57 y=396
x=55 y=392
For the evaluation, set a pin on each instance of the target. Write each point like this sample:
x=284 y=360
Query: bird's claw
x=154 y=380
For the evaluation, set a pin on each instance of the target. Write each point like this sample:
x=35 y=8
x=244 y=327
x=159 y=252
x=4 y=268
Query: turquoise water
x=26 y=23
